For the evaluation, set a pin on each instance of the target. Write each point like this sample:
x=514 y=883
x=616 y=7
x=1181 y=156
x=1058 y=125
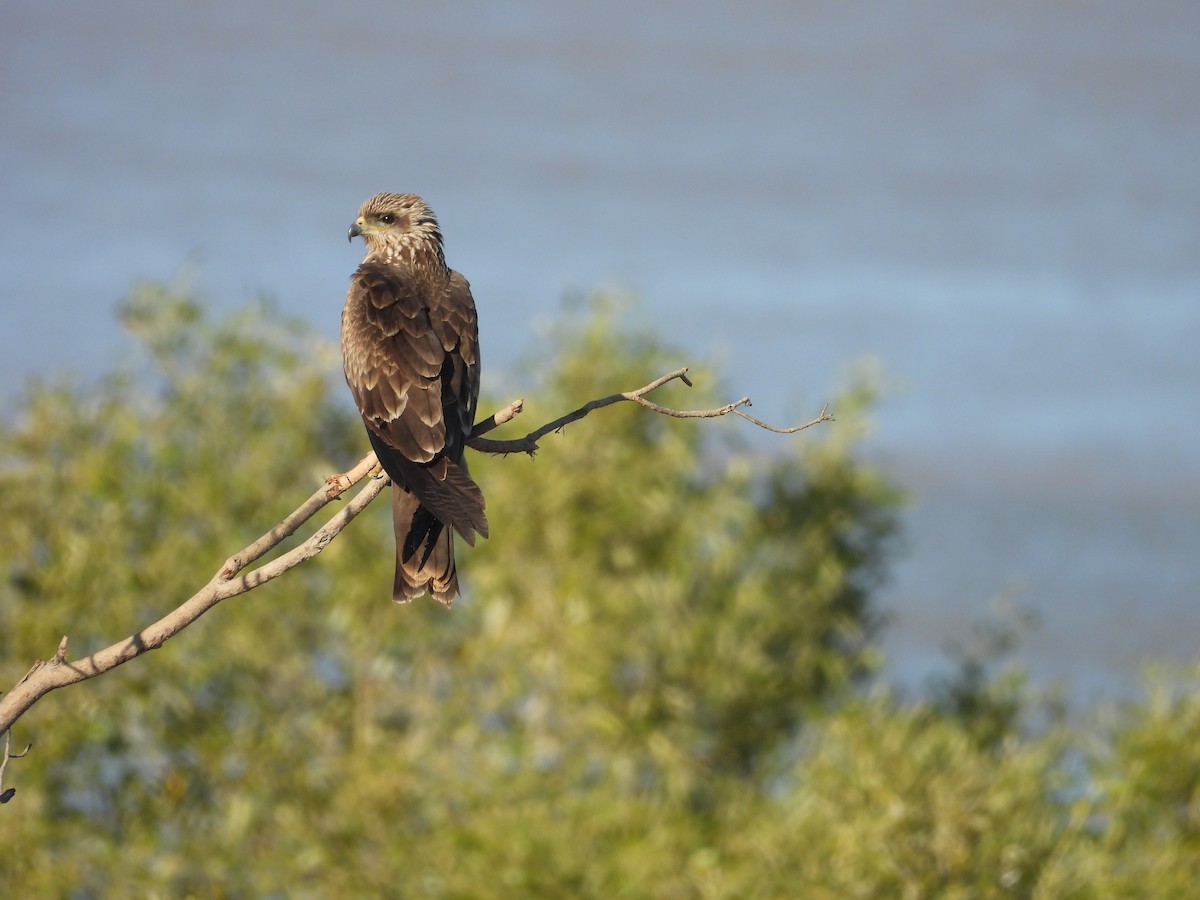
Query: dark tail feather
x=447 y=491
x=424 y=552
x=444 y=487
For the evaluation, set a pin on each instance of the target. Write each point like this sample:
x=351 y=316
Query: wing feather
x=411 y=357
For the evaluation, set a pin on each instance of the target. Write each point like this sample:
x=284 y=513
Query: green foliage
x=653 y=686
x=891 y=802
x=1145 y=823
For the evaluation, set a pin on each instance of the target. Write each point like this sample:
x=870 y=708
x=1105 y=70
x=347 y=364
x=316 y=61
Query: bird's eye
x=387 y=218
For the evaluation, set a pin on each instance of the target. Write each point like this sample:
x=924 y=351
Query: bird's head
x=398 y=227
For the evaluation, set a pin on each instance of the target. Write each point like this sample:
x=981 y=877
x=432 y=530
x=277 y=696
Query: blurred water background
x=1000 y=203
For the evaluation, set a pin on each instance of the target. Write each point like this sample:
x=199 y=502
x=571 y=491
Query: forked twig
x=528 y=444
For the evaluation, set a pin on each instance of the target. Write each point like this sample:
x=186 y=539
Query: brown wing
x=412 y=363
x=454 y=322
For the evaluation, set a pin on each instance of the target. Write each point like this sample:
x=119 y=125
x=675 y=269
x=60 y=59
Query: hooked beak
x=355 y=231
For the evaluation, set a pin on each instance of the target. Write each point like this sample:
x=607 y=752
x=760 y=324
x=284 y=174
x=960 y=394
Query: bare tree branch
x=49 y=675
x=57 y=672
x=528 y=444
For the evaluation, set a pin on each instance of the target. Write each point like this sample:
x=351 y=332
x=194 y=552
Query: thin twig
x=825 y=416
x=6 y=795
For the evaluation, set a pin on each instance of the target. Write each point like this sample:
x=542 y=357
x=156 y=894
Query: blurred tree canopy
x=658 y=683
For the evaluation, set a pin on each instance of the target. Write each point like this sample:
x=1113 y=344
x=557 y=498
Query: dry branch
x=57 y=672
x=49 y=675
x=528 y=444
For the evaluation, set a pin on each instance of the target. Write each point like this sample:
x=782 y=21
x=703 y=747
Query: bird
x=410 y=351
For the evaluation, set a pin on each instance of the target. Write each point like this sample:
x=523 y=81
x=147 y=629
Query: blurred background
x=999 y=205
